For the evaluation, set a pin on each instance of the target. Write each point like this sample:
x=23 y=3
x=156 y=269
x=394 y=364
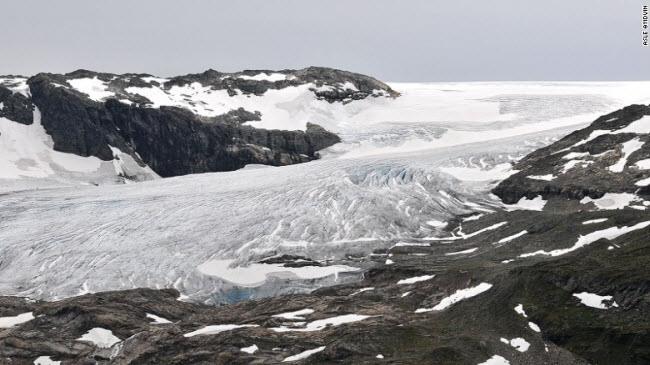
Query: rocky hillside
x=560 y=277
x=610 y=156
x=195 y=123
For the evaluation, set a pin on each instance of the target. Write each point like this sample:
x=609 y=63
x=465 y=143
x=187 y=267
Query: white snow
x=16 y=85
x=611 y=201
x=520 y=309
x=95 y=88
x=513 y=237
x=361 y=291
x=496 y=360
x=379 y=356
x=644 y=182
x=159 y=80
x=575 y=155
x=437 y=223
x=524 y=203
x=101 y=337
x=592 y=136
x=609 y=233
x=643 y=164
x=462 y=236
x=46 y=360
x=324 y=88
x=256 y=274
x=27 y=152
x=457 y=297
x=297 y=315
x=573 y=163
x=125 y=165
x=214 y=329
x=416 y=279
x=628 y=148
x=534 y=327
x=473 y=217
x=595 y=300
x=518 y=343
x=250 y=349
x=411 y=244
x=594 y=221
x=470 y=250
x=272 y=77
x=158 y=320
x=640 y=126
x=10 y=321
x=405 y=294
x=321 y=324
x=349 y=86
x=304 y=355
x=548 y=177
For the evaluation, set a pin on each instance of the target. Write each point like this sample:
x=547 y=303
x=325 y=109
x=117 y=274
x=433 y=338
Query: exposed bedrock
x=601 y=158
x=176 y=141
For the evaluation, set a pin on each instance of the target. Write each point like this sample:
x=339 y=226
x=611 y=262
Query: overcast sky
x=452 y=40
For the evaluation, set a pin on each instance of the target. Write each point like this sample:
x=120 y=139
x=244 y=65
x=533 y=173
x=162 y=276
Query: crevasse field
x=405 y=167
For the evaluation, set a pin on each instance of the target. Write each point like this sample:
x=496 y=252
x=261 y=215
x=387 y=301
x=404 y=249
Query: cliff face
x=187 y=124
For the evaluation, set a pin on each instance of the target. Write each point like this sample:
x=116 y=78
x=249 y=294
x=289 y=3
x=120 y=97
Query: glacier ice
x=396 y=171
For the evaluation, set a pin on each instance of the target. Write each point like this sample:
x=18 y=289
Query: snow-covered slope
x=28 y=158
x=395 y=172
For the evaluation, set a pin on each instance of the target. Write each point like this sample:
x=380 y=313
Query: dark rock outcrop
x=16 y=107
x=174 y=141
x=578 y=166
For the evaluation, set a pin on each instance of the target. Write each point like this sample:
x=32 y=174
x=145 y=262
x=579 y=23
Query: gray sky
x=397 y=40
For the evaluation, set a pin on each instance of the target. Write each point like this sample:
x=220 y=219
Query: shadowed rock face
x=16 y=107
x=175 y=141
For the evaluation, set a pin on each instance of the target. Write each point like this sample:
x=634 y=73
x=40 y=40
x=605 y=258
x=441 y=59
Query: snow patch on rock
x=459 y=295
x=496 y=360
x=214 y=329
x=595 y=300
x=95 y=88
x=101 y=337
x=609 y=233
x=416 y=279
x=611 y=201
x=548 y=177
x=304 y=354
x=10 y=321
x=518 y=343
x=256 y=274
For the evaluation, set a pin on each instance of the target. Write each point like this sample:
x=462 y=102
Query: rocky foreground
x=558 y=274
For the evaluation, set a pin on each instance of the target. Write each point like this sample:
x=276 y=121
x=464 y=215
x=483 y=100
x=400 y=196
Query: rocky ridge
x=171 y=125
x=609 y=156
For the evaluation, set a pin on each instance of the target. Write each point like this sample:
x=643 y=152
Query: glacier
x=428 y=156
